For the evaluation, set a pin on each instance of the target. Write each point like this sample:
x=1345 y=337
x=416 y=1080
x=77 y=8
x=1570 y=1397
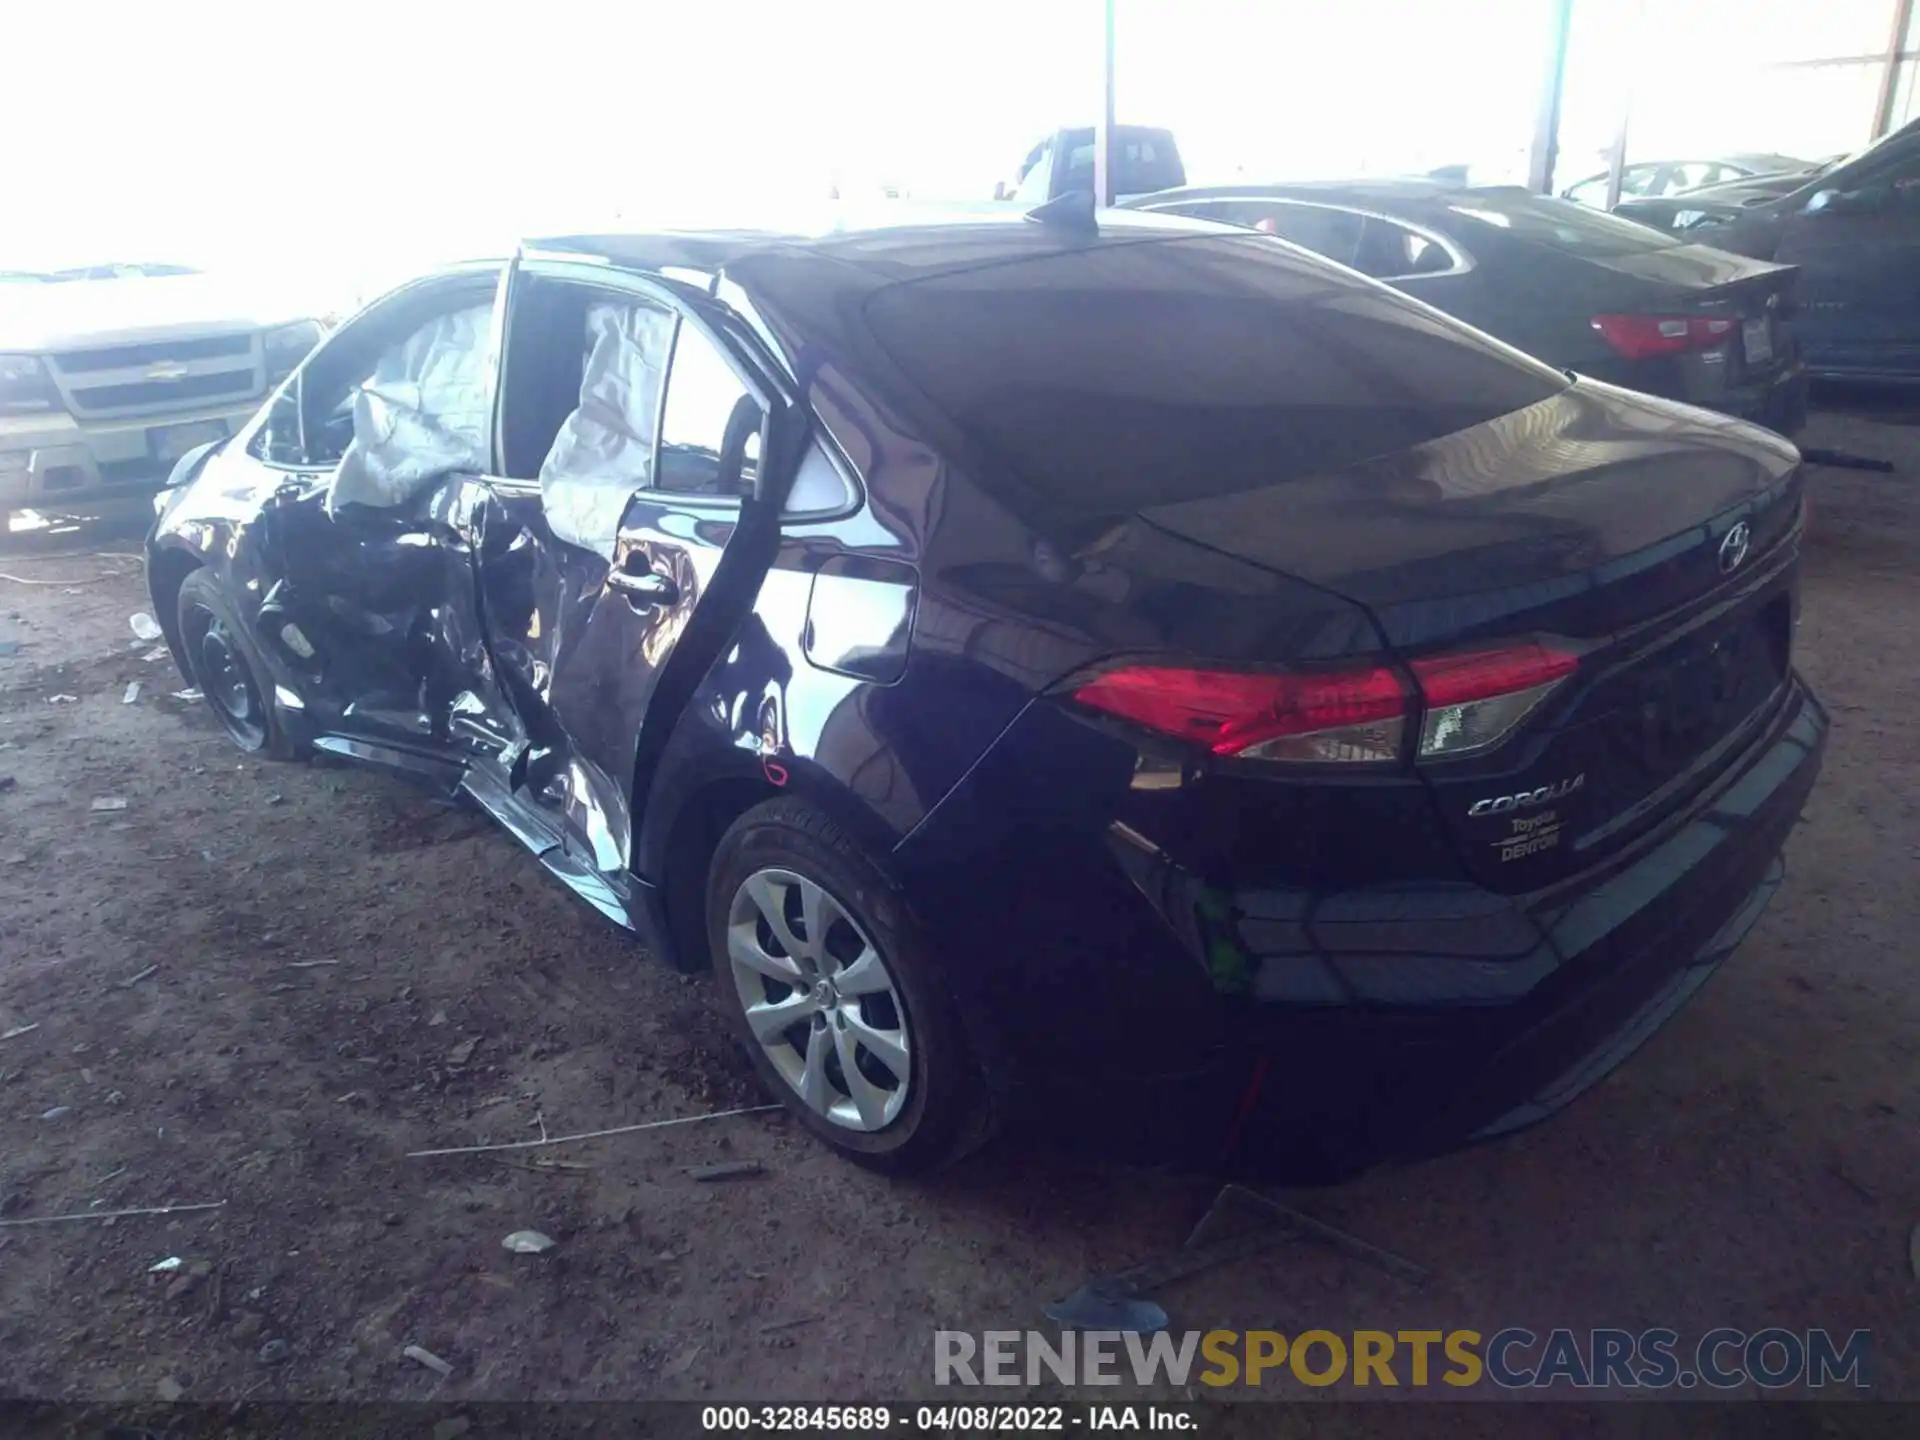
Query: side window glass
x=604 y=450
x=421 y=415
x=1033 y=184
x=1392 y=252
x=1590 y=192
x=1332 y=233
x=1638 y=180
x=710 y=431
x=277 y=441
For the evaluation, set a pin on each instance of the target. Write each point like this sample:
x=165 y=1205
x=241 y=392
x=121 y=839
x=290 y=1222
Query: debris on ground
x=190 y=696
x=18 y=1031
x=144 y=626
x=773 y=1325
x=463 y=1052
x=159 y=652
x=528 y=1242
x=109 y=802
x=427 y=1358
x=275 y=1352
x=1846 y=460
x=133 y=980
x=131 y=694
x=166 y=1266
x=1091 y=1308
x=593 y=1134
x=169 y=1389
x=7 y=782
x=727 y=1170
x=114 y=1214
x=1114 y=1302
x=63 y=699
x=10 y=647
x=58 y=1112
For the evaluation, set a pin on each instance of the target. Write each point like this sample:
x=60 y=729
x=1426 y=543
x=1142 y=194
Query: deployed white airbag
x=604 y=451
x=423 y=416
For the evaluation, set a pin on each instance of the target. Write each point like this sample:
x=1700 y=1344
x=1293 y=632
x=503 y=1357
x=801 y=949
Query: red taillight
x=1241 y=714
x=1639 y=336
x=1471 y=699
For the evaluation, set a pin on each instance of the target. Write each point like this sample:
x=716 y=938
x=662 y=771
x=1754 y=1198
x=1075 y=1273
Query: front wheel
x=835 y=993
x=230 y=673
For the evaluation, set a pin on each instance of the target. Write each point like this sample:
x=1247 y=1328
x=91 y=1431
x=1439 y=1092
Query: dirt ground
x=261 y=986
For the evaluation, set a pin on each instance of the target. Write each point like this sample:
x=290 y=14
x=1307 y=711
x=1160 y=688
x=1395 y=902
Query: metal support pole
x=1890 y=74
x=1546 y=127
x=1617 y=158
x=1103 y=125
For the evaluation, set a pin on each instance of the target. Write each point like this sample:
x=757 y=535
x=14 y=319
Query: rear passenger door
x=632 y=435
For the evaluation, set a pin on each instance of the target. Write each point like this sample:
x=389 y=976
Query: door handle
x=644 y=588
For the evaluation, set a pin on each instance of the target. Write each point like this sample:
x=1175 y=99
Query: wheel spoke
x=744 y=948
x=815 y=1087
x=868 y=1098
x=889 y=1047
x=771 y=1019
x=771 y=902
x=865 y=975
x=818 y=911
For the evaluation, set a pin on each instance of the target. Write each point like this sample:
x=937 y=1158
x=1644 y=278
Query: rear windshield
x=1563 y=224
x=1122 y=376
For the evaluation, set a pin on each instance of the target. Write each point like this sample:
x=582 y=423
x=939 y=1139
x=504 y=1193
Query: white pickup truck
x=110 y=373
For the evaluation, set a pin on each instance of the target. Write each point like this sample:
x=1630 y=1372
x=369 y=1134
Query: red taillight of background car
x=1467 y=701
x=1640 y=336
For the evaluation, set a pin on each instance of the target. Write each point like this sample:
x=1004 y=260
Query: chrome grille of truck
x=158 y=352
x=159 y=376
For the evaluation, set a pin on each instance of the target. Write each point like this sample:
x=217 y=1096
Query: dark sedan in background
x=1145 y=683
x=1582 y=290
x=1852 y=230
x=1650 y=178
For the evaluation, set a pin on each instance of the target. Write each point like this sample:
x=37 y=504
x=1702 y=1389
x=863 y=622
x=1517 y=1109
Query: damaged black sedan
x=1141 y=682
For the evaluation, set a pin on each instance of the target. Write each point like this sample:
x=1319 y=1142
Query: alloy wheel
x=819 y=999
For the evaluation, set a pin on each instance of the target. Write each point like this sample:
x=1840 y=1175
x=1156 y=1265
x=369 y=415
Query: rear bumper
x=56 y=461
x=1343 y=1031
x=1779 y=403
x=1777 y=400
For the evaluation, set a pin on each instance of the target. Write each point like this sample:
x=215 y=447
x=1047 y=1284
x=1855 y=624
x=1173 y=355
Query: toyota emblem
x=1733 y=548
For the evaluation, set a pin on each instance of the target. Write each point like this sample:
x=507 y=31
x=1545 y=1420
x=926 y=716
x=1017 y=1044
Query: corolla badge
x=1733 y=548
x=1525 y=799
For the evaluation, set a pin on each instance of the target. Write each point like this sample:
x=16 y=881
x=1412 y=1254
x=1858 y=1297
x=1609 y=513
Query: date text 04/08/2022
x=1013 y=1419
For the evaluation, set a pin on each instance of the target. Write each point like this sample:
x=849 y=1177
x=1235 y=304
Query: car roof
x=896 y=240
x=1414 y=190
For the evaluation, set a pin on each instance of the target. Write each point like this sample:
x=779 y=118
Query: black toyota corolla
x=1143 y=683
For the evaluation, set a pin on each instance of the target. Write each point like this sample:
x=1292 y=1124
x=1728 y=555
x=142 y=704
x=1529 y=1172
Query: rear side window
x=710 y=433
x=1393 y=252
x=1122 y=376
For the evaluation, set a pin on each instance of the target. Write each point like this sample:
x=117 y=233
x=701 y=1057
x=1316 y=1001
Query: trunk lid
x=1756 y=297
x=1598 y=516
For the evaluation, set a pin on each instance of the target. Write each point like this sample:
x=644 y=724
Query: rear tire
x=872 y=1058
x=228 y=669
